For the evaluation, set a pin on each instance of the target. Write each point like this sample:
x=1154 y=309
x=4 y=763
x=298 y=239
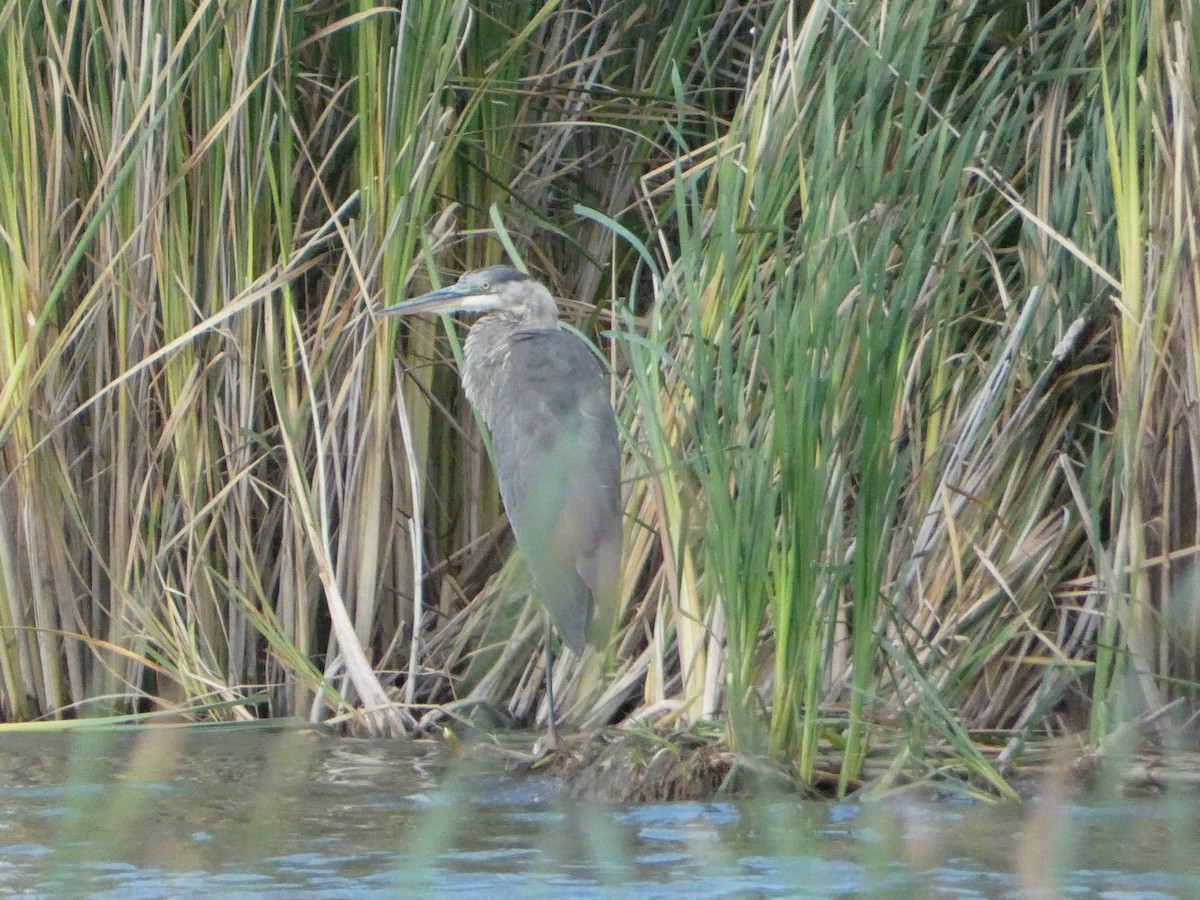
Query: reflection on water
x=298 y=813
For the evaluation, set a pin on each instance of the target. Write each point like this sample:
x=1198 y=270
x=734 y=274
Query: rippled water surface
x=247 y=813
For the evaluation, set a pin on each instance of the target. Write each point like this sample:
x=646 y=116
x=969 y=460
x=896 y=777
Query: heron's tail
x=567 y=600
x=602 y=574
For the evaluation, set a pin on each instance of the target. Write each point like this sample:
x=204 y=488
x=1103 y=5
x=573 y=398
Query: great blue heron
x=542 y=394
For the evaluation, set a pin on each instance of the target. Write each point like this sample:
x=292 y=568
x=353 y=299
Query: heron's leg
x=552 y=729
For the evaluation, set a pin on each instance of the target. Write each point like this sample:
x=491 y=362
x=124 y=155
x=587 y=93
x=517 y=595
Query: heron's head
x=496 y=289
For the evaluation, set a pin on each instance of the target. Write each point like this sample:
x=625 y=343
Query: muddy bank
x=623 y=766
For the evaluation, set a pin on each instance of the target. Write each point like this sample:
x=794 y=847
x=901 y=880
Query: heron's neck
x=485 y=353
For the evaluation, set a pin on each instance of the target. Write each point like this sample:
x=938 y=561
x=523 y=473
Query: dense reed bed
x=901 y=304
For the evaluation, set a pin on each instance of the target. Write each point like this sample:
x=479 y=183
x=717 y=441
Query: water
x=259 y=813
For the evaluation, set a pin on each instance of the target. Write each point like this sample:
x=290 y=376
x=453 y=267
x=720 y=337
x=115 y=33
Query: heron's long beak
x=447 y=300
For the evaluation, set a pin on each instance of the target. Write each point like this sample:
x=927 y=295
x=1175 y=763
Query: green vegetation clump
x=902 y=307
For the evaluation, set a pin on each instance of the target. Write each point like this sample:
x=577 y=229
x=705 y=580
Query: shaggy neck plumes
x=486 y=351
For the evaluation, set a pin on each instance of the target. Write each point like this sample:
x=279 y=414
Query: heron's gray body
x=542 y=394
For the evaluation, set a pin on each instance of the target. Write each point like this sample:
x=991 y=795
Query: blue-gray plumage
x=543 y=396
